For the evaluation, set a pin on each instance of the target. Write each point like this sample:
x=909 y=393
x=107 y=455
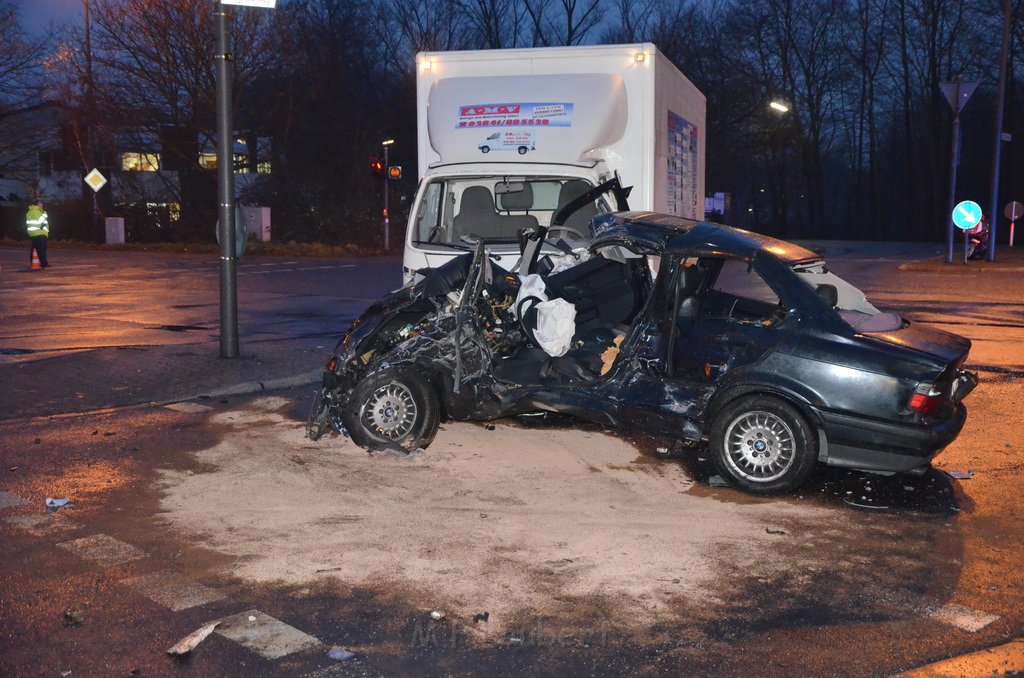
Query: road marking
x=963 y=618
x=260 y=632
x=1002 y=660
x=41 y=524
x=103 y=549
x=8 y=500
x=173 y=590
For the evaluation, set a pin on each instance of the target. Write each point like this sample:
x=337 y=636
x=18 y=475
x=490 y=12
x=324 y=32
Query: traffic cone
x=36 y=265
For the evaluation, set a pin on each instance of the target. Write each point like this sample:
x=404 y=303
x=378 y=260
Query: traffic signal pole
x=226 y=193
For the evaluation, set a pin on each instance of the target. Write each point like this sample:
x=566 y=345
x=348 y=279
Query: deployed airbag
x=550 y=323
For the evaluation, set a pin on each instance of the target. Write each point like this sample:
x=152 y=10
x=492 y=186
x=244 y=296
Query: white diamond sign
x=95 y=180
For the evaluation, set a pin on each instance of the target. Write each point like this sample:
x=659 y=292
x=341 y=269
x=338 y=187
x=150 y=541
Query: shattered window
x=741 y=294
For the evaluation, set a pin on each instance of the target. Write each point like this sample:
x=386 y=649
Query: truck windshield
x=463 y=210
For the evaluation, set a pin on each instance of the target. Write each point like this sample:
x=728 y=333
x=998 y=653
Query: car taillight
x=927 y=399
x=332 y=363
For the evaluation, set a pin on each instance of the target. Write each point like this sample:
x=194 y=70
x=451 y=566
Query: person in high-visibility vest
x=38 y=230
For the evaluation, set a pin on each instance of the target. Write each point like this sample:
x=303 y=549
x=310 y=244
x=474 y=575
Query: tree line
x=863 y=151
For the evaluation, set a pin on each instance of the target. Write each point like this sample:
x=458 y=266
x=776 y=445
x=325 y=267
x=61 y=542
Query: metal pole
x=387 y=216
x=953 y=162
x=1000 y=104
x=91 y=131
x=226 y=192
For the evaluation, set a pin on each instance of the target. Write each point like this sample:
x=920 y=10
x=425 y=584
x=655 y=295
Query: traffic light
x=395 y=172
x=376 y=166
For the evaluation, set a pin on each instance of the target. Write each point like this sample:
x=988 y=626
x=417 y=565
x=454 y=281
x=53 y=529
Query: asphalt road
x=867 y=575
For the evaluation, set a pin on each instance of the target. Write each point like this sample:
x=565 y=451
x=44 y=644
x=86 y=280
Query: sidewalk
x=119 y=377
x=1008 y=260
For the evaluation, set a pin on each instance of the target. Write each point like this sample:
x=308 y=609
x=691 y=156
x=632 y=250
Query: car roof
x=654 y=233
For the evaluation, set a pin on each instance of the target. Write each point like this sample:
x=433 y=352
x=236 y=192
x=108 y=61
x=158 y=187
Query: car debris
x=73 y=617
x=437 y=615
x=960 y=475
x=55 y=504
x=481 y=617
x=338 y=653
x=723 y=339
x=192 y=640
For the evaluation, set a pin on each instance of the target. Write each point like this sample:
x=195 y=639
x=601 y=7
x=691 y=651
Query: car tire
x=485 y=149
x=523 y=150
x=392 y=410
x=763 y=445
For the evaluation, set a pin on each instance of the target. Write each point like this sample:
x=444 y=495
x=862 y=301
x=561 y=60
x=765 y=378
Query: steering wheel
x=568 y=230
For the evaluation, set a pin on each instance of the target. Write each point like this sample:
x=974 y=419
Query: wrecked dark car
x=694 y=330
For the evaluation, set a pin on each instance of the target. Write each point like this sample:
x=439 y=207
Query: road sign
x=957 y=93
x=1013 y=210
x=95 y=180
x=966 y=215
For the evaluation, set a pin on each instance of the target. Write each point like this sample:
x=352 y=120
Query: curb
x=246 y=387
x=1001 y=660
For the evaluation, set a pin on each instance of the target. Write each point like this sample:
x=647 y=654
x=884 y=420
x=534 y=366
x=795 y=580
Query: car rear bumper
x=869 y=445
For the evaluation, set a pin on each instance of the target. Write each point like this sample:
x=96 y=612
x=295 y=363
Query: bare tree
x=20 y=61
x=563 y=22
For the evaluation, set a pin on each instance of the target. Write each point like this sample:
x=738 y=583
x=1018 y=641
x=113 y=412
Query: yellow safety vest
x=36 y=223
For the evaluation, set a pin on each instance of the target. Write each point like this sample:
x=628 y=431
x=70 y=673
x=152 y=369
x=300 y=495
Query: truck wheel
x=523 y=150
x=392 y=410
x=485 y=149
x=762 y=445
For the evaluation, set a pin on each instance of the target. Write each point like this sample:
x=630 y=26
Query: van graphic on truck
x=507 y=141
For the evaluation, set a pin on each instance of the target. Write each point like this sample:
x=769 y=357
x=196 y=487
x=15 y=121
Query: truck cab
x=507 y=137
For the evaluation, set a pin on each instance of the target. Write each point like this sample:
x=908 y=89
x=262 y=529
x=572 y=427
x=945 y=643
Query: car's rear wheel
x=763 y=445
x=392 y=410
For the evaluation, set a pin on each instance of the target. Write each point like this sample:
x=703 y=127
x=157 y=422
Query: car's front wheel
x=762 y=445
x=392 y=410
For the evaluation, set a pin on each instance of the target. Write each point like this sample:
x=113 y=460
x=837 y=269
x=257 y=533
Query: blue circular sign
x=966 y=215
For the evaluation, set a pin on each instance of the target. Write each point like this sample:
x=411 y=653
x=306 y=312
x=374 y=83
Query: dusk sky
x=36 y=15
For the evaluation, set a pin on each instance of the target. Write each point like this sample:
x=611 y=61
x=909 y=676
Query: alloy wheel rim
x=390 y=411
x=760 y=446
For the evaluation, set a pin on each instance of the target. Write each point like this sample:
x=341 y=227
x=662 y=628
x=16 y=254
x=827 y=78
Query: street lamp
x=779 y=106
x=387 y=177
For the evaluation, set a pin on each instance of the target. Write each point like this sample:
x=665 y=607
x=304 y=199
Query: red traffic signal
x=376 y=166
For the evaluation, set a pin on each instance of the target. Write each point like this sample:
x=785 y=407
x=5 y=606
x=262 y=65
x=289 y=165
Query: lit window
x=263 y=167
x=208 y=161
x=241 y=163
x=140 y=162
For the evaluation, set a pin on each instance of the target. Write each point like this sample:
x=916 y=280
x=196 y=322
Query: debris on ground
x=53 y=504
x=189 y=642
x=874 y=507
x=338 y=653
x=73 y=617
x=717 y=481
x=771 y=531
x=481 y=617
x=489 y=427
x=961 y=475
x=437 y=615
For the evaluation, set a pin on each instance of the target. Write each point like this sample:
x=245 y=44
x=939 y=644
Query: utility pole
x=387 y=179
x=1000 y=105
x=226 y=192
x=90 y=134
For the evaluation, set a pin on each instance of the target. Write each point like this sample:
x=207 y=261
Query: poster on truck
x=472 y=116
x=682 y=167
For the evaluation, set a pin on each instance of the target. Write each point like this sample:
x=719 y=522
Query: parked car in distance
x=709 y=334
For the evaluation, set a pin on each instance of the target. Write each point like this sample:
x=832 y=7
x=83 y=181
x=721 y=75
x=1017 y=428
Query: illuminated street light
x=779 y=106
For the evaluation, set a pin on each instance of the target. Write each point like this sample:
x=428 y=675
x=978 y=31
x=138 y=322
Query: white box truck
x=506 y=137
